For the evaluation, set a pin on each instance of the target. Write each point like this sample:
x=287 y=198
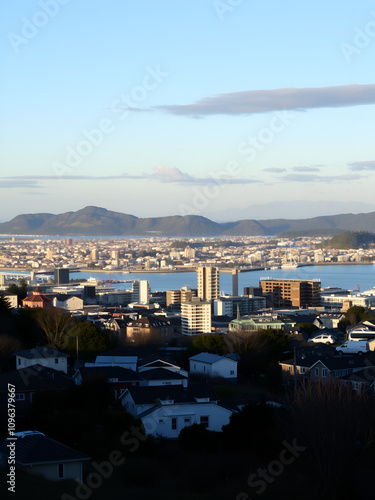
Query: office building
x=141 y=292
x=195 y=317
x=61 y=276
x=208 y=283
x=292 y=292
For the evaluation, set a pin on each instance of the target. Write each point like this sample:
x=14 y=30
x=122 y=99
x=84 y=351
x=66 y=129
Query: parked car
x=353 y=347
x=326 y=339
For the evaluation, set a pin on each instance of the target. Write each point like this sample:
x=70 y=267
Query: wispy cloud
x=362 y=165
x=274 y=170
x=263 y=101
x=306 y=169
x=173 y=174
x=320 y=178
x=8 y=183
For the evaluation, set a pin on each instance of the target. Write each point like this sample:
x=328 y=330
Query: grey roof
x=41 y=352
x=36 y=448
x=206 y=357
x=36 y=378
x=122 y=374
x=149 y=395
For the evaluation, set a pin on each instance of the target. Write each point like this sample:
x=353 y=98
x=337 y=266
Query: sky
x=228 y=109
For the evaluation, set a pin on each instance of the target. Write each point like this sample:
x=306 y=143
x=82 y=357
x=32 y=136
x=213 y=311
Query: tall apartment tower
x=208 y=283
x=235 y=282
x=141 y=292
x=61 y=276
x=195 y=317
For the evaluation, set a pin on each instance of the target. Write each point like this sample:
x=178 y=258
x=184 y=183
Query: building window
x=56 y=360
x=187 y=420
x=174 y=424
x=204 y=421
x=302 y=369
x=19 y=361
x=20 y=397
x=232 y=372
x=60 y=471
x=324 y=372
x=316 y=372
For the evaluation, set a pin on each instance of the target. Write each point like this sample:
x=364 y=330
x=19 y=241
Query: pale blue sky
x=68 y=67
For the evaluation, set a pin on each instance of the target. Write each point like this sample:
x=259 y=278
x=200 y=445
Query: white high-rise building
x=195 y=317
x=141 y=292
x=208 y=283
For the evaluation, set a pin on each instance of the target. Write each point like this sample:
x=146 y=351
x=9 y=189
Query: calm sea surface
x=342 y=276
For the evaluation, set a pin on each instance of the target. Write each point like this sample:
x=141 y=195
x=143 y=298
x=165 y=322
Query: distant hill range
x=96 y=221
x=347 y=240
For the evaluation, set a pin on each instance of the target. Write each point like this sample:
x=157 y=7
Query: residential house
x=213 y=365
x=165 y=411
x=39 y=454
x=42 y=356
x=325 y=368
x=68 y=302
x=149 y=329
x=28 y=381
x=117 y=377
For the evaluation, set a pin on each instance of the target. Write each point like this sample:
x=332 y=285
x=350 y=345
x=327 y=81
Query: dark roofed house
x=39 y=454
x=149 y=329
x=44 y=356
x=28 y=381
x=324 y=368
x=119 y=378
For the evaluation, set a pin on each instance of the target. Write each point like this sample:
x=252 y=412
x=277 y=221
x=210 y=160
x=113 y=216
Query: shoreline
x=188 y=270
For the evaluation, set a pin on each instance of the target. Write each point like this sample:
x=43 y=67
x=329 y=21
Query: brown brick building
x=292 y=292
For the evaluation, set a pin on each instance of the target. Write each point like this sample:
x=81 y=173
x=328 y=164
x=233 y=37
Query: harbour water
x=341 y=276
x=344 y=276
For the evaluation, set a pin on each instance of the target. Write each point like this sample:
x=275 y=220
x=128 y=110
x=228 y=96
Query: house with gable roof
x=39 y=454
x=165 y=411
x=213 y=365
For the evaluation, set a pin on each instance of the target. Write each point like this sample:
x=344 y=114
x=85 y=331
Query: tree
x=56 y=325
x=335 y=426
x=90 y=338
x=5 y=309
x=209 y=343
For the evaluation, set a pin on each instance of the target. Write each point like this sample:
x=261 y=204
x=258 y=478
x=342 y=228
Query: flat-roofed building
x=195 y=317
x=208 y=283
x=292 y=292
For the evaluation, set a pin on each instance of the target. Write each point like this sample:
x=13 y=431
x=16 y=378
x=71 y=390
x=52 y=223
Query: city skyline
x=226 y=109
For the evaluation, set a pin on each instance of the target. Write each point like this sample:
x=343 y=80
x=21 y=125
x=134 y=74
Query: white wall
x=159 y=423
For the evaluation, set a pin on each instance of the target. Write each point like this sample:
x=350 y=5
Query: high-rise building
x=195 y=317
x=61 y=276
x=235 y=282
x=208 y=283
x=175 y=297
x=292 y=292
x=141 y=292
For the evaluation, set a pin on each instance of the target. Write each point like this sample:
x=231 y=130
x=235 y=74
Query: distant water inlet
x=343 y=276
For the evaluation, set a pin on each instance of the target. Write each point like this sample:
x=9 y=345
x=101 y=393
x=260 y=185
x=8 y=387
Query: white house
x=213 y=365
x=165 y=411
x=42 y=356
x=68 y=302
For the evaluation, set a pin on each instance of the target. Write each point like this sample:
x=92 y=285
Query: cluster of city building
x=158 y=252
